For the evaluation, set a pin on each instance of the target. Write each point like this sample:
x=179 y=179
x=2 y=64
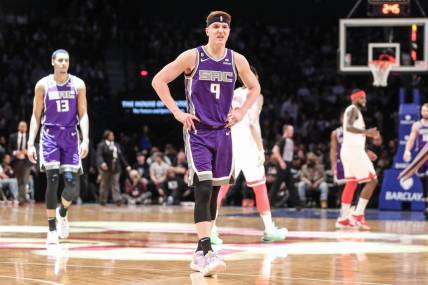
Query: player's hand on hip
x=83 y=149
x=282 y=164
x=372 y=133
x=31 y=153
x=407 y=156
x=234 y=117
x=187 y=120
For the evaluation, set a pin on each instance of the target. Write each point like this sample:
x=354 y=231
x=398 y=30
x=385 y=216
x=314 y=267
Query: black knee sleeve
x=213 y=203
x=52 y=181
x=70 y=186
x=203 y=191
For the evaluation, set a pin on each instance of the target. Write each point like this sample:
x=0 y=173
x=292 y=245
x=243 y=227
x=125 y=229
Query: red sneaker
x=343 y=224
x=360 y=221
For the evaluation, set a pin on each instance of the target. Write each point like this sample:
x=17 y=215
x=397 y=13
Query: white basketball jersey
x=241 y=131
x=351 y=139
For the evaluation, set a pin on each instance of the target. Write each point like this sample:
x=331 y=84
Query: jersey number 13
x=62 y=106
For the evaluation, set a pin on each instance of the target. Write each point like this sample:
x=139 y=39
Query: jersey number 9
x=215 y=88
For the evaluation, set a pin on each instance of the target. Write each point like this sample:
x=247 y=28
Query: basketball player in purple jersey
x=419 y=134
x=210 y=74
x=59 y=106
x=336 y=140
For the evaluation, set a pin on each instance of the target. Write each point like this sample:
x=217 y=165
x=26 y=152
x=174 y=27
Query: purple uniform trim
x=340 y=176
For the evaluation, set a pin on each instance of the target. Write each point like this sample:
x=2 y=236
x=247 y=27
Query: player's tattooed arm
x=39 y=92
x=351 y=117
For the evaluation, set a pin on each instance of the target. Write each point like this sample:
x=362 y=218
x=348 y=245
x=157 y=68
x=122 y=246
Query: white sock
x=267 y=221
x=344 y=211
x=361 y=206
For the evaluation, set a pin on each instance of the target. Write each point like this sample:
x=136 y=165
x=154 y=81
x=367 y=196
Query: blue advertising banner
x=394 y=192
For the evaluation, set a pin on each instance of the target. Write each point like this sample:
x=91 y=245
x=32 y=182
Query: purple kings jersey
x=422 y=138
x=60 y=102
x=339 y=137
x=209 y=89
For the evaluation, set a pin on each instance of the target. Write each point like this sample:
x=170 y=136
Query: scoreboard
x=388 y=8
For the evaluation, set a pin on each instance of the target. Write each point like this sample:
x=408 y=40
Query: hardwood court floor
x=153 y=245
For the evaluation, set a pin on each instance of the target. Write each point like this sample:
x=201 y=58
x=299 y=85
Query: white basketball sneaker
x=198 y=261
x=52 y=238
x=213 y=264
x=62 y=225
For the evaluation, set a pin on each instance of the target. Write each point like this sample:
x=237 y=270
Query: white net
x=380 y=70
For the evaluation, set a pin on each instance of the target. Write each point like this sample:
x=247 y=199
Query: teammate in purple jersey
x=59 y=106
x=210 y=73
x=419 y=134
x=336 y=140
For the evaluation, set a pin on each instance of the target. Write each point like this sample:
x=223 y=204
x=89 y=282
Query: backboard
x=363 y=40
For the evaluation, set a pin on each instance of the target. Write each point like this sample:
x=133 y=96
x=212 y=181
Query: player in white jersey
x=356 y=162
x=248 y=156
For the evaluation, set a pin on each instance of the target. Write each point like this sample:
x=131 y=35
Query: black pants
x=22 y=171
x=284 y=175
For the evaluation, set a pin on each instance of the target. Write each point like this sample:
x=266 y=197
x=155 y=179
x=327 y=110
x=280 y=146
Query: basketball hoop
x=380 y=69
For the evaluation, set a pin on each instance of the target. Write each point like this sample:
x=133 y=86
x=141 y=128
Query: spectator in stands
x=2 y=148
x=17 y=146
x=142 y=166
x=7 y=180
x=271 y=167
x=180 y=167
x=171 y=189
x=312 y=180
x=111 y=161
x=136 y=189
x=158 y=170
x=170 y=154
x=145 y=142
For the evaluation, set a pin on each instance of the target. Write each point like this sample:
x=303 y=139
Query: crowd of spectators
x=297 y=67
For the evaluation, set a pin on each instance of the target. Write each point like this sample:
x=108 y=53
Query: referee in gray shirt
x=283 y=152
